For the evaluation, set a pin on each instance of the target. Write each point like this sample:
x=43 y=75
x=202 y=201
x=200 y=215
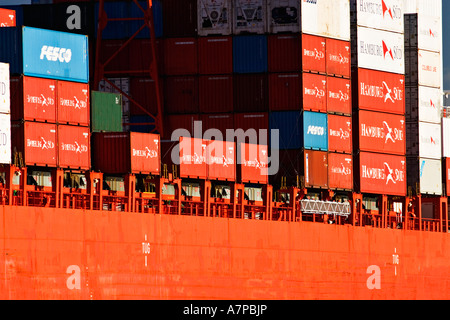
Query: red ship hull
x=51 y=253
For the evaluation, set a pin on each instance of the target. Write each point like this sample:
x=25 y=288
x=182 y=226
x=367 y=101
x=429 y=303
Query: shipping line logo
x=345 y=169
x=386 y=132
x=381 y=50
x=392 y=12
x=343 y=134
x=316 y=54
x=316 y=92
x=74 y=147
x=41 y=100
x=147 y=153
x=258 y=158
x=341 y=96
x=339 y=58
x=384 y=91
x=386 y=173
x=56 y=54
x=41 y=144
x=75 y=103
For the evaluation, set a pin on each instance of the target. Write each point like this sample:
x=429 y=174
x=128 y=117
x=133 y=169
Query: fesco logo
x=316 y=131
x=56 y=54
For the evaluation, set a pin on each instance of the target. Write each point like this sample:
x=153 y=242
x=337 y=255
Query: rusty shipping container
x=381 y=132
x=376 y=173
x=126 y=152
x=340 y=171
x=73 y=105
x=315 y=169
x=215 y=55
x=74 y=150
x=340 y=134
x=33 y=99
x=37 y=143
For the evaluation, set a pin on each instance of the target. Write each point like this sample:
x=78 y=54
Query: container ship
x=232 y=149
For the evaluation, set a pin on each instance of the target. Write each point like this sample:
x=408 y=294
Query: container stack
x=7 y=18
x=423 y=47
x=5 y=115
x=378 y=67
x=50 y=111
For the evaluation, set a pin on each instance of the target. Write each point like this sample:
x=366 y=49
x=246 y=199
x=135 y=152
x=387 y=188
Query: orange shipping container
x=338 y=57
x=36 y=141
x=316 y=169
x=340 y=171
x=73 y=103
x=74 y=150
x=33 y=99
x=192 y=158
x=253 y=164
x=221 y=159
x=313 y=53
x=339 y=134
x=7 y=18
x=314 y=92
x=339 y=95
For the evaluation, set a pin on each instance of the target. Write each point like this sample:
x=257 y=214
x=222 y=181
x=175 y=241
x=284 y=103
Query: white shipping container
x=446 y=137
x=283 y=16
x=426 y=7
x=5 y=103
x=5 y=138
x=379 y=14
x=423 y=32
x=249 y=16
x=430 y=104
x=380 y=50
x=326 y=18
x=214 y=17
x=430 y=145
x=429 y=68
x=430 y=172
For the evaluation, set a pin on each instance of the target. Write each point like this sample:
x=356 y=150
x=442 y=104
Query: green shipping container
x=106 y=112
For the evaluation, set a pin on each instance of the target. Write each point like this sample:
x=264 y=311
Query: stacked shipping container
x=49 y=97
x=5 y=115
x=379 y=93
x=423 y=47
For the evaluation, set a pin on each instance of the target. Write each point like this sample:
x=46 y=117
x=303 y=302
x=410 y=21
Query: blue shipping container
x=125 y=29
x=45 y=53
x=315 y=130
x=289 y=124
x=250 y=54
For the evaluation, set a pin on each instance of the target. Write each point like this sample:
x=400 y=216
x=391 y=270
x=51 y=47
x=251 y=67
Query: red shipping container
x=339 y=95
x=315 y=169
x=180 y=56
x=143 y=91
x=74 y=150
x=179 y=18
x=382 y=174
x=121 y=60
x=246 y=121
x=141 y=57
x=33 y=99
x=313 y=53
x=380 y=91
x=221 y=122
x=192 y=158
x=285 y=91
x=340 y=171
x=36 y=141
x=181 y=94
x=73 y=103
x=126 y=152
x=7 y=18
x=216 y=93
x=284 y=52
x=250 y=92
x=221 y=159
x=215 y=55
x=382 y=132
x=314 y=92
x=179 y=121
x=253 y=164
x=339 y=134
x=338 y=57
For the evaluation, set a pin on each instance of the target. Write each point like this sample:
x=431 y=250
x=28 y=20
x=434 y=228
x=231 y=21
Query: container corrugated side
x=378 y=173
x=215 y=55
x=5 y=138
x=106 y=111
x=284 y=91
x=217 y=121
x=216 y=93
x=340 y=171
x=180 y=56
x=315 y=169
x=74 y=150
x=221 y=160
x=181 y=94
x=338 y=57
x=257 y=121
x=284 y=52
x=315 y=131
x=192 y=158
x=326 y=18
x=423 y=104
x=380 y=14
x=250 y=92
x=314 y=95
x=250 y=54
x=179 y=18
x=339 y=95
x=313 y=53
x=424 y=68
x=446 y=168
x=340 y=134
x=214 y=17
x=5 y=100
x=379 y=50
